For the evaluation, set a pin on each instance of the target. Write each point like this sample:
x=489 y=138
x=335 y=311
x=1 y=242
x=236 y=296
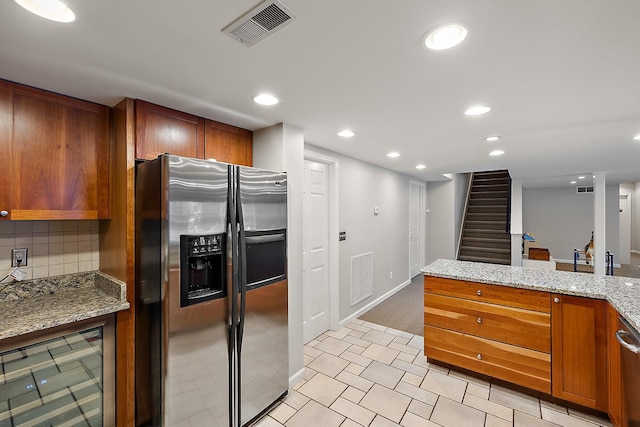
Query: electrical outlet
x=19 y=257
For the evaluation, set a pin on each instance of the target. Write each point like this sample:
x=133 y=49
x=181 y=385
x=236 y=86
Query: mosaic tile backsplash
x=55 y=247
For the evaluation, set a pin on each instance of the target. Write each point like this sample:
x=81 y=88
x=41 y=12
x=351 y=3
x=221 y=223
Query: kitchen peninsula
x=551 y=332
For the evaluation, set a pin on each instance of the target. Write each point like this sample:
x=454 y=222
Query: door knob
x=556 y=300
x=4 y=213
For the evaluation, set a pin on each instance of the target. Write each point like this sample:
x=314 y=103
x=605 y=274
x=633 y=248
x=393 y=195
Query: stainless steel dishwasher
x=629 y=339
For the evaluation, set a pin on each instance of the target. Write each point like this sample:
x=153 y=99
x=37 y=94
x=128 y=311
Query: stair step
x=502 y=194
x=484 y=188
x=486 y=209
x=489 y=202
x=483 y=249
x=485 y=260
x=486 y=240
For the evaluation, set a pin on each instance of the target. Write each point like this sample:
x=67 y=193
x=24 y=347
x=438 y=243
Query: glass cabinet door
x=56 y=382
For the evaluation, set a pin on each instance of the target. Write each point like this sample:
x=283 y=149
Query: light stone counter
x=622 y=292
x=34 y=305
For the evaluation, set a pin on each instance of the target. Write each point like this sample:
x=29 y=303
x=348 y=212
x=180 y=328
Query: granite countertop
x=622 y=292
x=34 y=305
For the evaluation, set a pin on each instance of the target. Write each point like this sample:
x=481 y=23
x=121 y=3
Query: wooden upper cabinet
x=228 y=144
x=59 y=156
x=162 y=130
x=579 y=350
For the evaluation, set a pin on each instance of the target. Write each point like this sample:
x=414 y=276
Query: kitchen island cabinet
x=56 y=152
x=579 y=356
x=584 y=357
x=494 y=330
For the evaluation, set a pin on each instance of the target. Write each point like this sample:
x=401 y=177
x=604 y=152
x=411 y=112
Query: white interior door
x=625 y=231
x=315 y=251
x=416 y=227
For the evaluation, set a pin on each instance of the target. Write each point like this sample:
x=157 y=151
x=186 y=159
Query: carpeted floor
x=403 y=311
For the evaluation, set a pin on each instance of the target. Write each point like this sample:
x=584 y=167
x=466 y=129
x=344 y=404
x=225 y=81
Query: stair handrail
x=464 y=215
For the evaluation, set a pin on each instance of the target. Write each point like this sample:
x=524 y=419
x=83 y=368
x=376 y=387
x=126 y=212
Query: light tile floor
x=369 y=375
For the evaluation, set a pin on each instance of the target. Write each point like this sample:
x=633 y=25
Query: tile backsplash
x=54 y=247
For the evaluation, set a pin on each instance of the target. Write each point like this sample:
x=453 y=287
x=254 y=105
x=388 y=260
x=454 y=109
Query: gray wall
x=441 y=220
x=562 y=220
x=362 y=187
x=281 y=147
x=460 y=189
x=634 y=190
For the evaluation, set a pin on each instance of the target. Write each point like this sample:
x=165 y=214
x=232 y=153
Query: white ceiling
x=562 y=76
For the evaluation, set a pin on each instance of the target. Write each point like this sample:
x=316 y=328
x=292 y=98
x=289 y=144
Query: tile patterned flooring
x=370 y=375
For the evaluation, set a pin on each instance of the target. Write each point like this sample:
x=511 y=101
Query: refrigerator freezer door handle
x=242 y=250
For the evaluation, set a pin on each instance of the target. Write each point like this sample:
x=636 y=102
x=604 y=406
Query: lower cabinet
x=555 y=344
x=494 y=330
x=579 y=350
x=63 y=378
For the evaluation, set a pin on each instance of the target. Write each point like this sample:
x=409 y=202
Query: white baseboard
x=296 y=378
x=582 y=262
x=374 y=303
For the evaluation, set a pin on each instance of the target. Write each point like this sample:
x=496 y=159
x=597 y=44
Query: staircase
x=485 y=233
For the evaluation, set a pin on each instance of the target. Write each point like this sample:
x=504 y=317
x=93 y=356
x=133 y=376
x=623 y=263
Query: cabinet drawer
x=523 y=328
x=495 y=294
x=517 y=365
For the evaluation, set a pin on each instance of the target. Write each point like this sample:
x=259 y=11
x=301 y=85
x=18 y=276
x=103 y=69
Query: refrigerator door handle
x=242 y=250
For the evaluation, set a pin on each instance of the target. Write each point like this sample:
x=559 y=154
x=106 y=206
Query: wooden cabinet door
x=579 y=350
x=228 y=144
x=60 y=156
x=6 y=180
x=162 y=130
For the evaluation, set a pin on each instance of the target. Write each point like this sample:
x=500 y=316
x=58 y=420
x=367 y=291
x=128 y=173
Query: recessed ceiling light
x=477 y=110
x=265 y=99
x=52 y=10
x=346 y=133
x=637 y=137
x=421 y=166
x=573 y=182
x=581 y=177
x=492 y=138
x=445 y=36
x=393 y=154
x=496 y=153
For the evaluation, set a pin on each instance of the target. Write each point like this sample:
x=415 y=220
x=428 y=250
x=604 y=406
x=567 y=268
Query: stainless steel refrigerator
x=211 y=283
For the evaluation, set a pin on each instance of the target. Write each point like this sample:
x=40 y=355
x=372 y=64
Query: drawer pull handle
x=479 y=320
x=479 y=356
x=479 y=293
x=4 y=213
x=556 y=300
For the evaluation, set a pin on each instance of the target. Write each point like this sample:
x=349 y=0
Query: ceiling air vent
x=259 y=23
x=584 y=189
